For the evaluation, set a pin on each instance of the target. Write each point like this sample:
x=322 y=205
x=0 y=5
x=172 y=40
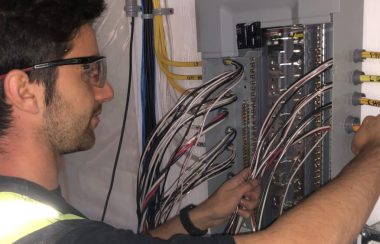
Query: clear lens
x=95 y=73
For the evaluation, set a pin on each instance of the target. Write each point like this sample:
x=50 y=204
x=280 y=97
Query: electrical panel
x=279 y=43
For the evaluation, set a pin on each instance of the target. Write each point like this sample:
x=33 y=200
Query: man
x=52 y=87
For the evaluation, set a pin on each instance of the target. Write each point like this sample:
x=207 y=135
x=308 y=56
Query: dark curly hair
x=36 y=31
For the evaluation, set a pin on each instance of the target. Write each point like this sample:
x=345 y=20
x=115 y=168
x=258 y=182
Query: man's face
x=70 y=120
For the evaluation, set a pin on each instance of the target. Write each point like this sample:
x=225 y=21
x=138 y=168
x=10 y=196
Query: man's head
x=38 y=32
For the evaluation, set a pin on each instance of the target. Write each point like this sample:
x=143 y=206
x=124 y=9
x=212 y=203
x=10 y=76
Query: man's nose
x=104 y=94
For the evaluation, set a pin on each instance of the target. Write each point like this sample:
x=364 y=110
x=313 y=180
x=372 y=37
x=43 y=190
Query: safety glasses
x=94 y=68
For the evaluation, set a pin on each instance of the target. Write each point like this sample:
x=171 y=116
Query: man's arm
x=337 y=212
x=216 y=209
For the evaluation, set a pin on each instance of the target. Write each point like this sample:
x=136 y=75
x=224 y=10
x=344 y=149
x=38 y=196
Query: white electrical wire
x=259 y=162
x=298 y=168
x=265 y=196
x=269 y=118
x=289 y=124
x=227 y=90
x=186 y=116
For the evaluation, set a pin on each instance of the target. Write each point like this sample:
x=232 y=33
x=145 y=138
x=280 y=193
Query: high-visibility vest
x=21 y=215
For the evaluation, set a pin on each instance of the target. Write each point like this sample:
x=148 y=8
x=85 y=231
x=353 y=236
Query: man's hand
x=237 y=191
x=368 y=135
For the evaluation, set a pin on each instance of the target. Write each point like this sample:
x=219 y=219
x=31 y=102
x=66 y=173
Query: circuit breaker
x=279 y=43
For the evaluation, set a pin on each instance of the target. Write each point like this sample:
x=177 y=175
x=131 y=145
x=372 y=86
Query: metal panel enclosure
x=297 y=36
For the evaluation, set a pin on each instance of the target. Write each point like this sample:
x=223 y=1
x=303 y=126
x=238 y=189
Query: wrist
x=192 y=222
x=202 y=217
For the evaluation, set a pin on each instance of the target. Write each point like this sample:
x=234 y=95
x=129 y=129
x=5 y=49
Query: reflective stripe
x=21 y=216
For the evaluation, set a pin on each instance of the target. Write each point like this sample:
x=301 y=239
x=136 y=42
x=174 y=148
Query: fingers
x=246 y=188
x=255 y=192
x=249 y=204
x=367 y=134
x=250 y=200
x=240 y=178
x=237 y=191
x=247 y=207
x=245 y=213
x=242 y=189
x=250 y=191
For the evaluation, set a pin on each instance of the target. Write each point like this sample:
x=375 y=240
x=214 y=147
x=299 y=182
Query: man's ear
x=20 y=93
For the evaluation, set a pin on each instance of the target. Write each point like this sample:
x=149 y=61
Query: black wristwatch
x=187 y=224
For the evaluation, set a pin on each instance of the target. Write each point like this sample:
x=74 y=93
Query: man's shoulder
x=37 y=193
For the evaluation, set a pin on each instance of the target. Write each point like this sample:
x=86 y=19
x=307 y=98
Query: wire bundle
x=148 y=72
x=273 y=144
x=163 y=61
x=156 y=197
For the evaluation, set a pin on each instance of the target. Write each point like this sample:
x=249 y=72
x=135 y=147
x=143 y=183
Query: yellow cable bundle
x=369 y=78
x=374 y=55
x=162 y=58
x=370 y=102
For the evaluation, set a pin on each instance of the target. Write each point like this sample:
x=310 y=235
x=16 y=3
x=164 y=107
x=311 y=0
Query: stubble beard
x=67 y=131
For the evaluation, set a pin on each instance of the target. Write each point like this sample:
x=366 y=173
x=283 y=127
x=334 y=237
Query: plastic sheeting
x=86 y=176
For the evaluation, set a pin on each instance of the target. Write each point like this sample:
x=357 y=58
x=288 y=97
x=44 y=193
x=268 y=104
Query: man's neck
x=26 y=159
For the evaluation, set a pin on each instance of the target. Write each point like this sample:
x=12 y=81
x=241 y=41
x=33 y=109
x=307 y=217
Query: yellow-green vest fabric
x=21 y=216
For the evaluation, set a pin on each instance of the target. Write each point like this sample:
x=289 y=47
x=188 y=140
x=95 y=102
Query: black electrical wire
x=180 y=107
x=296 y=89
x=234 y=76
x=148 y=113
x=145 y=177
x=204 y=173
x=173 y=160
x=307 y=117
x=168 y=127
x=160 y=135
x=124 y=119
x=177 y=114
x=149 y=71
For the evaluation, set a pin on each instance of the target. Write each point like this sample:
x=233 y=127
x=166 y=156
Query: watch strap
x=187 y=224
